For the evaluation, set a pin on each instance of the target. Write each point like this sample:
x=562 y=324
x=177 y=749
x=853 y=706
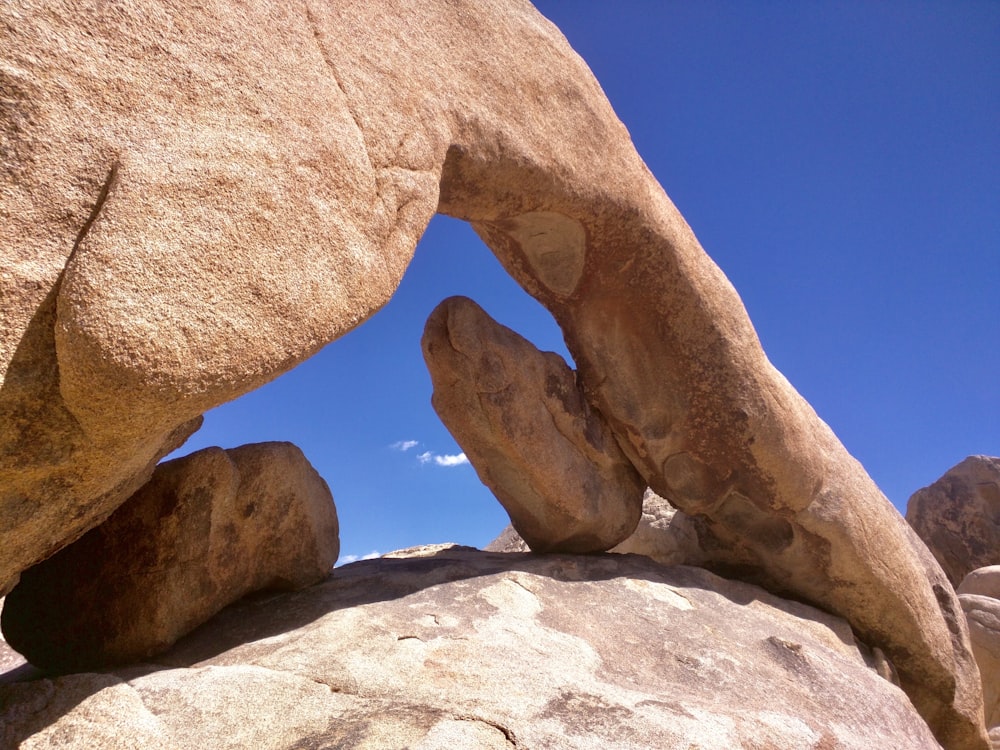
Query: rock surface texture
x=979 y=594
x=663 y=534
x=958 y=516
x=196 y=198
x=518 y=414
x=464 y=649
x=208 y=529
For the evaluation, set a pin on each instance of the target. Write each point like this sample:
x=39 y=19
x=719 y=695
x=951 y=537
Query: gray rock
x=983 y=614
x=459 y=648
x=982 y=581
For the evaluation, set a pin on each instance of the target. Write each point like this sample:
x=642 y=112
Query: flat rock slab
x=460 y=648
x=546 y=454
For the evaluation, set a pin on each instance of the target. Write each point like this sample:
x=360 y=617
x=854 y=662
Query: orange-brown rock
x=208 y=529
x=518 y=415
x=958 y=516
x=194 y=200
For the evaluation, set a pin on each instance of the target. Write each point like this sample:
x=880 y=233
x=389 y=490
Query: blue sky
x=839 y=160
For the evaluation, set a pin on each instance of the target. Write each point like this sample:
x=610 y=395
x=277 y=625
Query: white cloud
x=456 y=460
x=348 y=559
x=405 y=445
x=446 y=460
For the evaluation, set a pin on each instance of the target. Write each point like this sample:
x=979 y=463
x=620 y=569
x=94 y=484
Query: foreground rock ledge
x=468 y=649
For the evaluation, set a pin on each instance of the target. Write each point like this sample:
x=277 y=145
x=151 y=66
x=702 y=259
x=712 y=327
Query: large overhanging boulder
x=196 y=199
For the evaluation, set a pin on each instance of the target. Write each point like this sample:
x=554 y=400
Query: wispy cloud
x=347 y=559
x=446 y=460
x=456 y=460
x=405 y=445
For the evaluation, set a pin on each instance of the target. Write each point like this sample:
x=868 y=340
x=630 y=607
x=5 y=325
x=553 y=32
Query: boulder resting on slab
x=664 y=534
x=517 y=413
x=208 y=529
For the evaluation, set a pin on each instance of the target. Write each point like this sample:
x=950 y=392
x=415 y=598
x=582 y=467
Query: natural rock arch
x=193 y=207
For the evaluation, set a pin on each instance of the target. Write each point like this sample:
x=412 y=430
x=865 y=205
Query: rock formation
x=464 y=649
x=958 y=516
x=208 y=529
x=979 y=594
x=519 y=416
x=193 y=206
x=664 y=534
x=982 y=582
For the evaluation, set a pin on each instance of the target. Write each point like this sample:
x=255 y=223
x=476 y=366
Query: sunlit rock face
x=519 y=416
x=979 y=593
x=958 y=516
x=196 y=199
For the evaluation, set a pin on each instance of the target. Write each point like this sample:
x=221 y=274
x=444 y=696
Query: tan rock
x=518 y=415
x=983 y=613
x=958 y=516
x=463 y=649
x=208 y=529
x=196 y=199
x=982 y=582
x=663 y=534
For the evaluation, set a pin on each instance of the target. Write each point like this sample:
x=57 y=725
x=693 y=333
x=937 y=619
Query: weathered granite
x=197 y=199
x=533 y=439
x=458 y=648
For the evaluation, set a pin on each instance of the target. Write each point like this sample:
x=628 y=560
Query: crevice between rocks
x=505 y=731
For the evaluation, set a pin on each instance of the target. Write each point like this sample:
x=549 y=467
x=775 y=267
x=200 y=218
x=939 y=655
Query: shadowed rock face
x=193 y=206
x=519 y=416
x=958 y=516
x=205 y=531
